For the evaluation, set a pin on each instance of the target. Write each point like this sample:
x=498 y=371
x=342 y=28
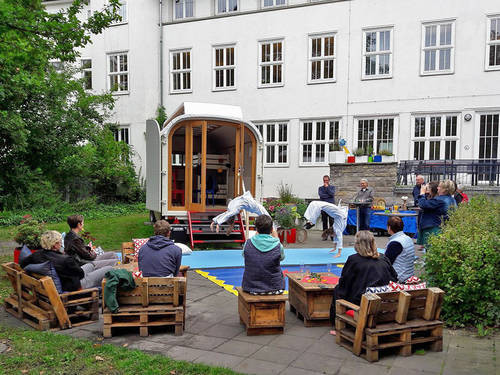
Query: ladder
x=200 y=233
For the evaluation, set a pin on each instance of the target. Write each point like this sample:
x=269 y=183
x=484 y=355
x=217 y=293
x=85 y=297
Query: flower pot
x=362 y=159
x=377 y=158
x=370 y=159
x=388 y=159
x=291 y=235
x=17 y=251
x=351 y=159
x=337 y=157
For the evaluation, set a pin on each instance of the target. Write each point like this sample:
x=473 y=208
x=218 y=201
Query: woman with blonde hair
x=366 y=268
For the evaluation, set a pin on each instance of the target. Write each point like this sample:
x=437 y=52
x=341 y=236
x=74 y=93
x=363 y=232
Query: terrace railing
x=464 y=172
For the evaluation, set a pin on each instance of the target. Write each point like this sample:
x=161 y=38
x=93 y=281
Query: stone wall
x=381 y=177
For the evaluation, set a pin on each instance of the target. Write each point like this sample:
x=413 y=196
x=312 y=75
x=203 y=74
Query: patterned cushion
x=138 y=242
x=413 y=280
x=398 y=287
x=378 y=289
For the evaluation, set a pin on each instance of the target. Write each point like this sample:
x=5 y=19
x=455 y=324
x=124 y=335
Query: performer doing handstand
x=243 y=202
x=339 y=215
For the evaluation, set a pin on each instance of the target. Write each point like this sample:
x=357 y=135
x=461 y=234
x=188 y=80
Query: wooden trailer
x=203 y=156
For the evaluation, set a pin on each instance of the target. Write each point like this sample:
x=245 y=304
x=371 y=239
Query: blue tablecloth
x=380 y=222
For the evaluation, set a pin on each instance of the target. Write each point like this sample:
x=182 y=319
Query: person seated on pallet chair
x=75 y=246
x=243 y=202
x=338 y=213
x=72 y=276
x=160 y=256
x=263 y=253
x=366 y=268
x=400 y=249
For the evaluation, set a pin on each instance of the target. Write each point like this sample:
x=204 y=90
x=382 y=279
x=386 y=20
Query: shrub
x=29 y=232
x=464 y=261
x=285 y=193
x=285 y=216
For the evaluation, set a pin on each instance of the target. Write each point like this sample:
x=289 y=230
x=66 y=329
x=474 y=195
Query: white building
x=420 y=79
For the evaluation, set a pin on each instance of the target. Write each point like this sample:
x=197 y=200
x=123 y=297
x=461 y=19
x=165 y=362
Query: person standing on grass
x=160 y=256
x=83 y=254
x=326 y=193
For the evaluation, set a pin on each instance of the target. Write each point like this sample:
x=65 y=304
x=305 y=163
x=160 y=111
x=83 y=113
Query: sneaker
x=308 y=225
x=324 y=239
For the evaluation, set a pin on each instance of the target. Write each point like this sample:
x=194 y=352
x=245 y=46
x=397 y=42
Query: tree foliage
x=47 y=118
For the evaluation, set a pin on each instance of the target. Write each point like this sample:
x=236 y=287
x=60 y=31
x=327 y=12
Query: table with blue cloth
x=380 y=222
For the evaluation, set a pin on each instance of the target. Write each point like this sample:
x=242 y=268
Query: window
x=316 y=138
x=57 y=65
x=375 y=135
x=183 y=9
x=224 y=67
x=493 y=43
x=122 y=12
x=435 y=137
x=118 y=72
x=86 y=66
x=377 y=53
x=438 y=53
x=275 y=137
x=227 y=6
x=488 y=136
x=272 y=3
x=271 y=63
x=322 y=58
x=122 y=135
x=180 y=71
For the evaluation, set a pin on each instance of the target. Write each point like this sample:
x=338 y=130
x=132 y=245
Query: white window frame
x=314 y=142
x=263 y=129
x=438 y=24
x=119 y=73
x=477 y=140
x=322 y=59
x=224 y=67
x=442 y=138
x=375 y=139
x=121 y=132
x=274 y=5
x=227 y=11
x=182 y=71
x=271 y=63
x=84 y=71
x=184 y=7
x=122 y=11
x=377 y=52
x=489 y=42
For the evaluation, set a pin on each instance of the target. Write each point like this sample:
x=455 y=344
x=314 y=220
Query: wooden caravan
x=36 y=302
x=390 y=320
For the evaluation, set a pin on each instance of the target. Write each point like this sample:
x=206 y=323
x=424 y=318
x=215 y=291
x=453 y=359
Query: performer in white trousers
x=339 y=215
x=243 y=202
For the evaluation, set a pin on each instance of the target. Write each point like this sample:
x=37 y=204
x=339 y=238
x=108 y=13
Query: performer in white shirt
x=339 y=215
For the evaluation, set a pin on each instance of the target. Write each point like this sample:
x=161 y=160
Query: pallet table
x=309 y=300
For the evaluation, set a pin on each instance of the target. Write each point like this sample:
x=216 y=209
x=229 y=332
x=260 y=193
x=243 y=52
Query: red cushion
x=350 y=313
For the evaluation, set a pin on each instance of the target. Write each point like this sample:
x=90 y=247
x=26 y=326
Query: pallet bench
x=36 y=302
x=155 y=302
x=263 y=314
x=391 y=320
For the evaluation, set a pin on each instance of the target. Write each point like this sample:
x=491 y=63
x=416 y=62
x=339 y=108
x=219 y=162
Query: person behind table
x=263 y=253
x=365 y=196
x=400 y=249
x=75 y=246
x=326 y=193
x=366 y=268
x=160 y=256
x=446 y=189
x=432 y=210
x=73 y=277
x=416 y=189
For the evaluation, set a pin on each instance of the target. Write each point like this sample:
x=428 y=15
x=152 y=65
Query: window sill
x=321 y=81
x=269 y=86
x=371 y=78
x=492 y=68
x=119 y=93
x=276 y=165
x=222 y=89
x=307 y=165
x=177 y=92
x=118 y=24
x=437 y=73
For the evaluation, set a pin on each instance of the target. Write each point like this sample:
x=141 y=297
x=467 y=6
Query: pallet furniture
x=391 y=320
x=262 y=315
x=155 y=302
x=309 y=301
x=36 y=302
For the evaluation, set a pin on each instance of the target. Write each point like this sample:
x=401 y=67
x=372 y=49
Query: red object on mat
x=324 y=280
x=350 y=313
x=17 y=251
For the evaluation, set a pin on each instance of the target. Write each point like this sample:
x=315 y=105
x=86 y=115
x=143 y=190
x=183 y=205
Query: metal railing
x=463 y=172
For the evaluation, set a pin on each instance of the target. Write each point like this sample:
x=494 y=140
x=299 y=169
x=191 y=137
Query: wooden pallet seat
x=155 y=302
x=36 y=302
x=262 y=314
x=390 y=320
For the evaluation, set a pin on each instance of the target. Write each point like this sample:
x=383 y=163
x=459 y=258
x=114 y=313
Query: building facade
x=420 y=80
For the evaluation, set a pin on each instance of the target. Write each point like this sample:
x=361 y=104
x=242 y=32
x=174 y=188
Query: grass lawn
x=33 y=352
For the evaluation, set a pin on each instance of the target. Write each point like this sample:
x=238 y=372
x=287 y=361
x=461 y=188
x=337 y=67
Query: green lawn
x=109 y=232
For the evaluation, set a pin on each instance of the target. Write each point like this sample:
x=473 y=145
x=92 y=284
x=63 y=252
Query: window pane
x=334 y=130
x=307 y=131
x=123 y=63
x=270 y=133
x=276 y=73
x=434 y=150
x=316 y=70
x=230 y=56
x=179 y=9
x=219 y=57
x=385 y=41
x=329 y=46
x=435 y=130
x=445 y=35
x=219 y=78
x=420 y=127
x=266 y=74
x=277 y=56
x=233 y=5
x=186 y=58
x=230 y=77
x=282 y=130
x=307 y=153
x=176 y=61
x=371 y=62
x=316 y=47
x=86 y=64
x=320 y=153
x=266 y=53
x=419 y=151
x=383 y=67
x=371 y=41
x=320 y=131
x=282 y=153
x=189 y=8
x=328 y=69
x=268 y=3
x=451 y=126
x=450 y=150
x=222 y=6
x=113 y=64
x=270 y=154
x=430 y=60
x=430 y=35
x=444 y=59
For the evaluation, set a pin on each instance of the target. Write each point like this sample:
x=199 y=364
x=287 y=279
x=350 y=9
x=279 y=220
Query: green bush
x=464 y=261
x=29 y=232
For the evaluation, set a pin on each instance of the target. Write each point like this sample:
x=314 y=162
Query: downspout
x=160 y=23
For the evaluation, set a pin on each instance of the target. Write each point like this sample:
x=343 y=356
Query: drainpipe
x=161 y=53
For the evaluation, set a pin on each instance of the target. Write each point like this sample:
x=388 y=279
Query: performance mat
x=230 y=278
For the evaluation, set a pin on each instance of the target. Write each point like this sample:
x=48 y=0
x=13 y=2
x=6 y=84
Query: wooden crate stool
x=155 y=302
x=262 y=315
x=391 y=320
x=36 y=302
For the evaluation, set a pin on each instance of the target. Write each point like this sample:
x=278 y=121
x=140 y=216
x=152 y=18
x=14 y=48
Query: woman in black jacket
x=367 y=268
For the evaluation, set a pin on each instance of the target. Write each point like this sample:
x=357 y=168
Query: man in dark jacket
x=326 y=193
x=160 y=257
x=416 y=189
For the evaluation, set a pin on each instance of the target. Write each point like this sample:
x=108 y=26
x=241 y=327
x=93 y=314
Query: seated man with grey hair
x=365 y=196
x=73 y=277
